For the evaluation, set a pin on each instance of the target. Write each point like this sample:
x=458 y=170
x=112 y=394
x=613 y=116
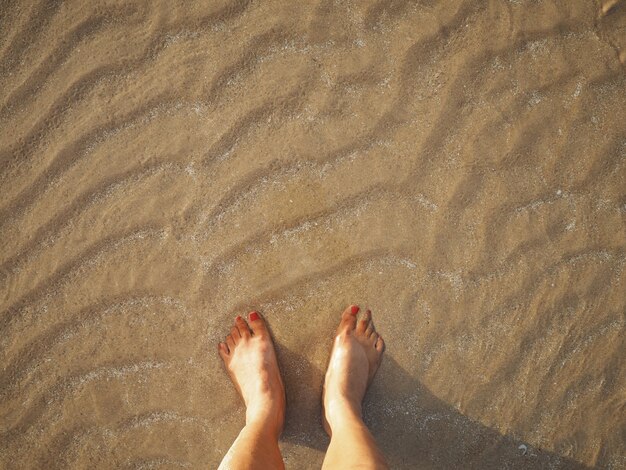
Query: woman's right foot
x=356 y=355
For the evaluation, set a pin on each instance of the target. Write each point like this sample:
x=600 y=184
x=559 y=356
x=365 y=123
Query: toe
x=364 y=322
x=242 y=326
x=230 y=342
x=257 y=324
x=223 y=350
x=372 y=339
x=370 y=329
x=348 y=317
x=234 y=332
x=380 y=344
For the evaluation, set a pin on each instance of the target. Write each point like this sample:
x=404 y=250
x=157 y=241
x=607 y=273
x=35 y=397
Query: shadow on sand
x=414 y=428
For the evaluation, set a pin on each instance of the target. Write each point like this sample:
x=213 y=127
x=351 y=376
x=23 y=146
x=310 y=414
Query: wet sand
x=458 y=167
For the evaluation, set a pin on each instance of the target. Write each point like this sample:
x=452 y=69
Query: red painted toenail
x=253 y=316
x=354 y=309
x=238 y=317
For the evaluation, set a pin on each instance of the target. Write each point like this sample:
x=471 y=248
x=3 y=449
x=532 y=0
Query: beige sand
x=457 y=166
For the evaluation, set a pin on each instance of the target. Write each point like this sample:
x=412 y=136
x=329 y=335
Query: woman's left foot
x=250 y=359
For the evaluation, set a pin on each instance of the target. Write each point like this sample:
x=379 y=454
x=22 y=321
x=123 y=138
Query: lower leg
x=254 y=448
x=352 y=445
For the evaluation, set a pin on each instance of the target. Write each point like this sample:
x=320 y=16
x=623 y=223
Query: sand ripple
x=456 y=166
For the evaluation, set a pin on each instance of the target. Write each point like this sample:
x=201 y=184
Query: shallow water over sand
x=459 y=167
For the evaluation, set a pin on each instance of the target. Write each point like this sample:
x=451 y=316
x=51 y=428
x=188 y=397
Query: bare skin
x=357 y=353
x=249 y=356
x=250 y=360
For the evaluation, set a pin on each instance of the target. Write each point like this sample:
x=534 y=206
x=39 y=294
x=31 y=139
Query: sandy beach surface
x=459 y=167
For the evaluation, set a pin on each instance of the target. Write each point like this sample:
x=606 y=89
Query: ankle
x=268 y=416
x=342 y=413
x=268 y=427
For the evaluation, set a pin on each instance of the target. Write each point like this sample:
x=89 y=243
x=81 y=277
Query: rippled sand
x=457 y=166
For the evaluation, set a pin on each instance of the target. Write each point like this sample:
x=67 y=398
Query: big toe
x=257 y=324
x=348 y=318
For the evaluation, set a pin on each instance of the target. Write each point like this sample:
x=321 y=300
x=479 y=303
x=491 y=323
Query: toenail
x=238 y=317
x=253 y=316
x=354 y=309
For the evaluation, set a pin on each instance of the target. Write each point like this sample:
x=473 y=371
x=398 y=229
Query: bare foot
x=355 y=358
x=250 y=360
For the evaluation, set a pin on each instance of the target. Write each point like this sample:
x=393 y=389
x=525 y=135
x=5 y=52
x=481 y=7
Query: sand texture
x=459 y=167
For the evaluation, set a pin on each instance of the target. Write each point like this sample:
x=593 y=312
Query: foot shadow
x=414 y=428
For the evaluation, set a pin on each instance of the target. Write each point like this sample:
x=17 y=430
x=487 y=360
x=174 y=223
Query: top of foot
x=356 y=355
x=250 y=359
